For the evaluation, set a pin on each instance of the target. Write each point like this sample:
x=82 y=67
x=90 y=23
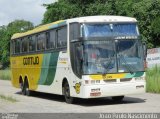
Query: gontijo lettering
x=31 y=60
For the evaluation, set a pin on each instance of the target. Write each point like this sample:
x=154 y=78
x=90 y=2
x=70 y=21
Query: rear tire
x=25 y=89
x=67 y=96
x=118 y=98
x=28 y=92
x=22 y=88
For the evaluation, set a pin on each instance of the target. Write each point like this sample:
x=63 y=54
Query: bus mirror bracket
x=77 y=40
x=145 y=50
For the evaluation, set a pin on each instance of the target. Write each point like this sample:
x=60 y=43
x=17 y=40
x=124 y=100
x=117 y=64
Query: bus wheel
x=67 y=96
x=22 y=88
x=118 y=98
x=26 y=90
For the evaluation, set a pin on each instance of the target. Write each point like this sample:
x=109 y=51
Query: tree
x=2 y=36
x=6 y=33
x=65 y=9
x=155 y=26
x=61 y=10
x=145 y=11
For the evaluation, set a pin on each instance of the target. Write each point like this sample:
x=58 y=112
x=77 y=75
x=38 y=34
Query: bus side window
x=25 y=45
x=51 y=38
x=62 y=37
x=32 y=44
x=17 y=46
x=41 y=38
x=13 y=47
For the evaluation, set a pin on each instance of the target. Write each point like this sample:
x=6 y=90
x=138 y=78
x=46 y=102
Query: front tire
x=67 y=96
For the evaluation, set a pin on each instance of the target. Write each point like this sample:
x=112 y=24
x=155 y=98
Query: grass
x=5 y=74
x=153 y=80
x=8 y=98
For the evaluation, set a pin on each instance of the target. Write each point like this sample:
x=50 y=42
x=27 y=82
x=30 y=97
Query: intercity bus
x=85 y=57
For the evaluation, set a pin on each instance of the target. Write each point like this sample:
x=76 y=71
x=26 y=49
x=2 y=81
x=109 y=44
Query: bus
x=84 y=57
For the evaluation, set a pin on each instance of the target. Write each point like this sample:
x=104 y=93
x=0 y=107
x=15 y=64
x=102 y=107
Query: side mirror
x=145 y=50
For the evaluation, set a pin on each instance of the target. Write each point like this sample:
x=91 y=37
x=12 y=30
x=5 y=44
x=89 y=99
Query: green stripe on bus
x=139 y=74
x=136 y=74
x=48 y=70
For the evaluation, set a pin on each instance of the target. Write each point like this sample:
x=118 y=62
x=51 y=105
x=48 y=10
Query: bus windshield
x=99 y=57
x=130 y=56
x=101 y=30
x=112 y=56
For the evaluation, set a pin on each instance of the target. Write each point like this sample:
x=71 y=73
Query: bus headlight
x=92 y=81
x=86 y=81
x=140 y=78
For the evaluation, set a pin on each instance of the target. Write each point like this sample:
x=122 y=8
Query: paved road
x=49 y=103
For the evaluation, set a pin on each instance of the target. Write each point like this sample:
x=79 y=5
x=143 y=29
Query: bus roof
x=78 y=19
x=39 y=29
x=102 y=18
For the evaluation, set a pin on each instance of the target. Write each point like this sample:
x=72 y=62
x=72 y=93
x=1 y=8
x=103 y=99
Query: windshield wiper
x=108 y=64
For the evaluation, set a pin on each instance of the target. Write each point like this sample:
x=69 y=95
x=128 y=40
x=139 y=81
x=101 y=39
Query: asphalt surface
x=49 y=103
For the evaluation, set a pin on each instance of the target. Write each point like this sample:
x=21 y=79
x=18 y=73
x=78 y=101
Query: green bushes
x=153 y=80
x=5 y=74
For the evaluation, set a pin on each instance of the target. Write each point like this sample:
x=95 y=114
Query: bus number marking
x=105 y=77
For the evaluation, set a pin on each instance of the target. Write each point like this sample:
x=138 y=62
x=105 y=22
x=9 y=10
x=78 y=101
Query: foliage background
x=6 y=33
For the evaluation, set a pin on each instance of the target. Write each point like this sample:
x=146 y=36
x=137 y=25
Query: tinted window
x=41 y=41
x=74 y=31
x=12 y=47
x=101 y=30
x=51 y=38
x=25 y=44
x=62 y=37
x=17 y=46
x=32 y=43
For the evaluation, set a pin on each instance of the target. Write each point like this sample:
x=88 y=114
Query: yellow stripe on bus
x=63 y=62
x=107 y=76
x=36 y=30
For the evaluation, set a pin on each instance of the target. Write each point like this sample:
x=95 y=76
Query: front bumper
x=112 y=89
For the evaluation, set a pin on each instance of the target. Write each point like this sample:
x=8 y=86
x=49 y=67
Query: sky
x=30 y=10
